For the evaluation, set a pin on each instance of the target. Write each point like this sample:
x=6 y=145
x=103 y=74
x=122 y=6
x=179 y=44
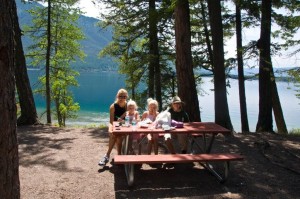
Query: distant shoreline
x=254 y=76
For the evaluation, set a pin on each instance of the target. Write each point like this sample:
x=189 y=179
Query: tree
x=28 y=110
x=154 y=53
x=221 y=105
x=9 y=161
x=137 y=44
x=184 y=66
x=265 y=122
x=57 y=38
x=288 y=24
x=268 y=96
x=47 y=67
x=242 y=94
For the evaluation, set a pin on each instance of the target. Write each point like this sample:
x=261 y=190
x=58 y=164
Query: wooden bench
x=205 y=160
x=175 y=158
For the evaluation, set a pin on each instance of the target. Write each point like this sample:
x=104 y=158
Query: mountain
x=95 y=39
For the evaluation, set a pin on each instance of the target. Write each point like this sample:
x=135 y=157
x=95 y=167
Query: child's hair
x=132 y=103
x=152 y=101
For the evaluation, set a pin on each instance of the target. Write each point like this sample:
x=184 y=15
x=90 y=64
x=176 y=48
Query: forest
x=152 y=41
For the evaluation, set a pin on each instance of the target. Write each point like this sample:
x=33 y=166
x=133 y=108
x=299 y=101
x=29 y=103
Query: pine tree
x=9 y=164
x=57 y=37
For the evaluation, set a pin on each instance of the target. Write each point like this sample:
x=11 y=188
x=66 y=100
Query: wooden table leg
x=222 y=174
x=129 y=168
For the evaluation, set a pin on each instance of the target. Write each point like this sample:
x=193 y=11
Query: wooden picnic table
x=208 y=130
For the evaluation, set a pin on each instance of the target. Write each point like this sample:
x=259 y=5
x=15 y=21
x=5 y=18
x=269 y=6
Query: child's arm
x=137 y=116
x=144 y=116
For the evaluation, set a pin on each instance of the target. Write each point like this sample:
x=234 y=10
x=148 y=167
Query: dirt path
x=62 y=163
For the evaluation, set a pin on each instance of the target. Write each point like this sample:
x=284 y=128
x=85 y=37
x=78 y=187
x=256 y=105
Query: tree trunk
x=9 y=160
x=184 y=67
x=206 y=32
x=242 y=94
x=151 y=81
x=221 y=105
x=26 y=100
x=154 y=52
x=277 y=110
x=48 y=91
x=265 y=122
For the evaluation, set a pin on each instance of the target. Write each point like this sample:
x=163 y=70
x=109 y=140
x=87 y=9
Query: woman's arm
x=111 y=117
x=123 y=115
x=111 y=113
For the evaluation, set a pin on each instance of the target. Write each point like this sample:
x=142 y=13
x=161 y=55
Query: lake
x=97 y=91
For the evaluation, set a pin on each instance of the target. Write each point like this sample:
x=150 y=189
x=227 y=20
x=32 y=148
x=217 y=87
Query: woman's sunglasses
x=122 y=97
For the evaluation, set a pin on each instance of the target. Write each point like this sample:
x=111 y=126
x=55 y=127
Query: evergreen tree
x=57 y=36
x=9 y=164
x=28 y=110
x=184 y=66
x=221 y=105
x=242 y=93
x=139 y=31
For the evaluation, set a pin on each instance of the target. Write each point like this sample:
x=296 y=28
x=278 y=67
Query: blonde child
x=131 y=112
x=150 y=116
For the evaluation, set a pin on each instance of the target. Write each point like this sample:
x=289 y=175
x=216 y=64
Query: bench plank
x=175 y=158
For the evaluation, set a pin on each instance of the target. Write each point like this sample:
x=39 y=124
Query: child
x=131 y=112
x=150 y=116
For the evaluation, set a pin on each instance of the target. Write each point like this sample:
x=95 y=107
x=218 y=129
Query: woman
x=116 y=110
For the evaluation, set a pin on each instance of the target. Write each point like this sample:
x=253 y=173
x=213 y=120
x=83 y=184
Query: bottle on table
x=133 y=123
x=126 y=120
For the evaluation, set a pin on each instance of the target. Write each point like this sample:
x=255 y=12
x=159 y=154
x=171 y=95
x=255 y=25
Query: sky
x=90 y=9
x=278 y=61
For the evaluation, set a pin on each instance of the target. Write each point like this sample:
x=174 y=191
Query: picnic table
x=207 y=130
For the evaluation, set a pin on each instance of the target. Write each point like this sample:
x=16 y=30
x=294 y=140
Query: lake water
x=97 y=91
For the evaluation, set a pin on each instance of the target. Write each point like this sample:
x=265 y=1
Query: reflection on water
x=97 y=91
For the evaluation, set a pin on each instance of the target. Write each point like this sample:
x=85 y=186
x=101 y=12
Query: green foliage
x=295 y=74
x=93 y=42
x=130 y=45
x=294 y=132
x=285 y=24
x=63 y=79
x=65 y=49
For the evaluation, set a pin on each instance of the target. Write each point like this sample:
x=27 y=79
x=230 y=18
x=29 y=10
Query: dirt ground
x=62 y=163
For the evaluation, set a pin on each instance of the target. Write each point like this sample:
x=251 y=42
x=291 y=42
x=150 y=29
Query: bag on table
x=176 y=124
x=163 y=119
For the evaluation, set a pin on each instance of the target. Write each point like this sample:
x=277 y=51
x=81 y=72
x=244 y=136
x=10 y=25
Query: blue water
x=289 y=102
x=97 y=91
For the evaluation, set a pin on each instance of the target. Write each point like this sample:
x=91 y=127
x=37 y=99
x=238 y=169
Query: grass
x=294 y=132
x=101 y=126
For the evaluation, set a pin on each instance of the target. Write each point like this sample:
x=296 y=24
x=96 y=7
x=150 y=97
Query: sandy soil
x=62 y=163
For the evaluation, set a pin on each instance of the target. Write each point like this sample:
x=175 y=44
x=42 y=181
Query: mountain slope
x=95 y=39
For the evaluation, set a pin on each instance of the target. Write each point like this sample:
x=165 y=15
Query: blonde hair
x=152 y=101
x=132 y=103
x=121 y=91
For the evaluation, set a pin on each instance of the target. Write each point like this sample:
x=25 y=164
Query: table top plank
x=191 y=127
